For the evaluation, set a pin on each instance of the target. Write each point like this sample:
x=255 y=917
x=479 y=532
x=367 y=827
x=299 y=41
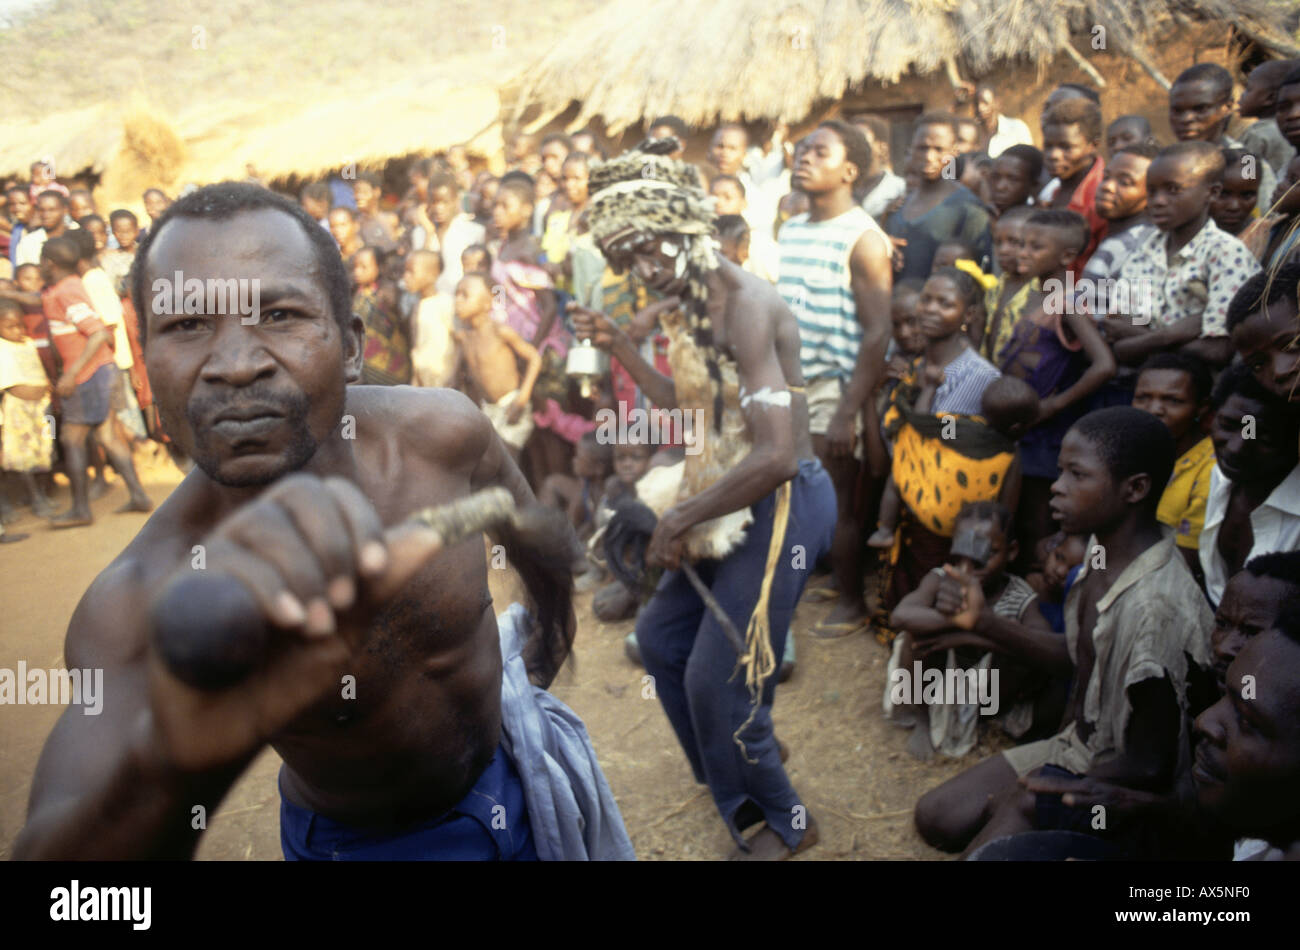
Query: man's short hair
x=731 y=178
x=1084 y=113
x=63 y=251
x=1131 y=442
x=520 y=184
x=1279 y=565
x=318 y=191
x=680 y=128
x=121 y=214
x=1069 y=223
x=732 y=227
x=51 y=193
x=1180 y=362
x=84 y=242
x=1147 y=150
x=1262 y=290
x=878 y=126
x=1212 y=73
x=1207 y=157
x=1031 y=157
x=728 y=126
x=935 y=118
x=1079 y=89
x=1238 y=380
x=222 y=202
x=442 y=180
x=10 y=189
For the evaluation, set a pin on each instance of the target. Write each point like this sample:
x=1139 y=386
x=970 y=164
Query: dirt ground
x=850 y=766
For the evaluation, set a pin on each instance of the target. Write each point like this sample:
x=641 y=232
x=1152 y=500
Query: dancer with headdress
x=754 y=508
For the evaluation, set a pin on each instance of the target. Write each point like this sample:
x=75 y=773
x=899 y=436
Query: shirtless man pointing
x=300 y=488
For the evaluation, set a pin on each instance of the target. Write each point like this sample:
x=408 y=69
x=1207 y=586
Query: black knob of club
x=208 y=630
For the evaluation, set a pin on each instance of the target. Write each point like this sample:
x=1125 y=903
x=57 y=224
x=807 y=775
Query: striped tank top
x=814 y=281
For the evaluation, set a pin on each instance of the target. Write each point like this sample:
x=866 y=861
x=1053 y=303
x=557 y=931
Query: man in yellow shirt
x=1175 y=388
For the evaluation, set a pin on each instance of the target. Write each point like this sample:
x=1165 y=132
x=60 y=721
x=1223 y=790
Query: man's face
x=727 y=197
x=1178 y=192
x=1008 y=238
x=821 y=164
x=50 y=212
x=553 y=156
x=1198 y=112
x=1259 y=96
x=20 y=205
x=968 y=137
x=1252 y=443
x=509 y=212
x=318 y=208
x=573 y=179
x=343 y=227
x=80 y=205
x=1269 y=343
x=1247 y=764
x=986 y=106
x=155 y=203
x=651 y=259
x=1122 y=134
x=1009 y=182
x=728 y=150
x=99 y=233
x=1288 y=113
x=126 y=231
x=1084 y=496
x=1123 y=188
x=933 y=146
x=366 y=196
x=443 y=205
x=1232 y=206
x=1067 y=151
x=1249 y=606
x=249 y=402
x=1168 y=395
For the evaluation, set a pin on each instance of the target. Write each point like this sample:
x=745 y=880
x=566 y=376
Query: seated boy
x=1133 y=617
x=492 y=353
x=1184 y=275
x=981 y=548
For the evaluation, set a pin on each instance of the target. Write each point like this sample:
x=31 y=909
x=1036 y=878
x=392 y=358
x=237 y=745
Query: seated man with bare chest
x=408 y=725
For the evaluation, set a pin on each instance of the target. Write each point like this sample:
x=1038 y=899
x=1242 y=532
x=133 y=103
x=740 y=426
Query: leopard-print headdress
x=644 y=193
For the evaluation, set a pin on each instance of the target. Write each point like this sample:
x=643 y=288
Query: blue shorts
x=489 y=824
x=88 y=406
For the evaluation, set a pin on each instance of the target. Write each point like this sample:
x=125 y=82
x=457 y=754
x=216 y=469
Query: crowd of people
x=1050 y=395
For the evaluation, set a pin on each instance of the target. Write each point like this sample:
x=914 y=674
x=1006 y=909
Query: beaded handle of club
x=211 y=633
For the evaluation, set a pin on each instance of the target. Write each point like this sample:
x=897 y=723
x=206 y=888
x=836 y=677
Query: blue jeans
x=489 y=824
x=692 y=661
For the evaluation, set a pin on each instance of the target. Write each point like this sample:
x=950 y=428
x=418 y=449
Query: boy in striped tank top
x=836 y=276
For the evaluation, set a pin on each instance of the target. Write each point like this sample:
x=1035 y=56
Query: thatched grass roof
x=198 y=89
x=775 y=59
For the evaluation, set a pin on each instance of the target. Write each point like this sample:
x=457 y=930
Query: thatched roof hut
x=152 y=92
x=779 y=59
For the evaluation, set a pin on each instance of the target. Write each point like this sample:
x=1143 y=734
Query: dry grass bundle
x=751 y=59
